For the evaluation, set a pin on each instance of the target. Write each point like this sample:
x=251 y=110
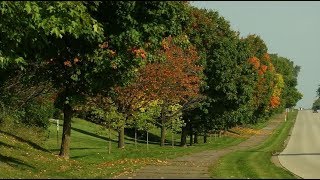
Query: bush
x=37 y=113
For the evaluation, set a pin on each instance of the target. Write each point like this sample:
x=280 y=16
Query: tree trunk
x=172 y=139
x=147 y=141
x=184 y=134
x=196 y=138
x=163 y=127
x=109 y=148
x=163 y=134
x=121 y=137
x=191 y=135
x=191 y=138
x=135 y=137
x=66 y=132
x=205 y=137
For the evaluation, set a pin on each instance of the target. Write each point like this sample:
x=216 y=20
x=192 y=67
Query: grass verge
x=256 y=162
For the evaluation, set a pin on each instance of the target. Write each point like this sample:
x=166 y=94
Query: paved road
x=302 y=154
x=195 y=166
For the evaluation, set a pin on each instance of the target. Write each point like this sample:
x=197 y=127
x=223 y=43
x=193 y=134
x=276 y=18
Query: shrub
x=37 y=113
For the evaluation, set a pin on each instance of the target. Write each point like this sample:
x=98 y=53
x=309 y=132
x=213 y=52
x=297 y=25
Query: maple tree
x=128 y=100
x=270 y=84
x=175 y=78
x=265 y=79
x=54 y=40
x=290 y=95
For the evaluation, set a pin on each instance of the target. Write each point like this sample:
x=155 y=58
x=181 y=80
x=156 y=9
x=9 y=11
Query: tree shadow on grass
x=83 y=148
x=91 y=134
x=34 y=145
x=56 y=149
x=14 y=162
x=81 y=156
x=7 y=145
x=142 y=137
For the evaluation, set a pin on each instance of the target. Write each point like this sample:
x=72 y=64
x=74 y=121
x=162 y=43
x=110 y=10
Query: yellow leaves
x=95 y=28
x=127 y=165
x=126 y=161
x=277 y=89
x=271 y=67
x=243 y=132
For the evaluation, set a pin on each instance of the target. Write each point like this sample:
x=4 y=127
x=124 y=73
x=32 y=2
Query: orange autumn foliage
x=174 y=80
x=274 y=101
x=261 y=67
x=255 y=62
x=264 y=68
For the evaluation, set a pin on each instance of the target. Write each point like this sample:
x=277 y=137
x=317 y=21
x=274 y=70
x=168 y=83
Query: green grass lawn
x=24 y=154
x=27 y=153
x=256 y=162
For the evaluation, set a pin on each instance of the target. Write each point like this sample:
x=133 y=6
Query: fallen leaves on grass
x=140 y=161
x=127 y=166
x=244 y=132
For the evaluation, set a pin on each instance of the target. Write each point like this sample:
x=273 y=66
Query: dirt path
x=195 y=166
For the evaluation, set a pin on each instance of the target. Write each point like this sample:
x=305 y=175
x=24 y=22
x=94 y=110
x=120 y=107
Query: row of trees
x=140 y=65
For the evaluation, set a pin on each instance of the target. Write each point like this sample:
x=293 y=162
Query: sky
x=290 y=29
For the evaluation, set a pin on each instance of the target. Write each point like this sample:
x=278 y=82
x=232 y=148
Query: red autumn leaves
x=175 y=80
x=261 y=68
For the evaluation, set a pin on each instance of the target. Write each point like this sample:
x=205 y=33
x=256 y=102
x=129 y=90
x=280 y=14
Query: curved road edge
x=275 y=157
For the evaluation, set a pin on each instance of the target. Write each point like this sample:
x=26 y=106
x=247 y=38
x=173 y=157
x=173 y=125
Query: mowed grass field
x=256 y=162
x=28 y=153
